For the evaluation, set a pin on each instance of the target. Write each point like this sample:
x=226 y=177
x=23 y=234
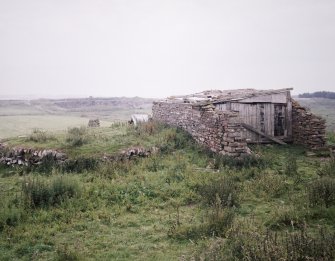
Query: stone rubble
x=27 y=156
x=132 y=153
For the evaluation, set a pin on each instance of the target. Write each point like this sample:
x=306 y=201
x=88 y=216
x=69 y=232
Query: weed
x=291 y=166
x=327 y=169
x=38 y=193
x=273 y=185
x=331 y=137
x=245 y=161
x=40 y=136
x=77 y=136
x=287 y=217
x=321 y=192
x=225 y=189
x=279 y=246
x=47 y=164
x=216 y=224
x=11 y=216
x=80 y=164
x=64 y=253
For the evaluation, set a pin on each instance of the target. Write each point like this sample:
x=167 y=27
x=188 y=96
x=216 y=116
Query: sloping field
x=17 y=125
x=20 y=117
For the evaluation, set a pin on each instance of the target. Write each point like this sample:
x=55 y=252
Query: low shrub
x=40 y=136
x=321 y=192
x=225 y=190
x=38 y=193
x=77 y=136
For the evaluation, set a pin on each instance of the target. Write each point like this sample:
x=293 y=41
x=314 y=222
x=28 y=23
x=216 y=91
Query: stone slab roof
x=217 y=96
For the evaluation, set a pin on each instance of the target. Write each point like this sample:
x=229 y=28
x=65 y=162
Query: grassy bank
x=181 y=203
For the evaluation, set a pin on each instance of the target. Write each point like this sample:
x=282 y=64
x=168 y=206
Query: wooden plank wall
x=250 y=113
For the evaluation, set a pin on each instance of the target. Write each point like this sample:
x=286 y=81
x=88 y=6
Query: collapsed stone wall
x=213 y=129
x=27 y=156
x=308 y=129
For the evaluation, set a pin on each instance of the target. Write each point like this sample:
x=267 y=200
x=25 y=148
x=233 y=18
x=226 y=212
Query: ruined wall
x=27 y=156
x=212 y=129
x=308 y=129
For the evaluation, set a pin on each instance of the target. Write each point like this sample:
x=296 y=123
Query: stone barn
x=225 y=121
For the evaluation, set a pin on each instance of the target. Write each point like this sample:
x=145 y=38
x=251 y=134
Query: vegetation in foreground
x=182 y=203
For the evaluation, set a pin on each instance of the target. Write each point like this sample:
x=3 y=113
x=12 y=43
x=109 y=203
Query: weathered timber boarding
x=217 y=119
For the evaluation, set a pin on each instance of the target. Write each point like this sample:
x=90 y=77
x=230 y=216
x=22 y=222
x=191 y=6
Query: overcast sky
x=157 y=48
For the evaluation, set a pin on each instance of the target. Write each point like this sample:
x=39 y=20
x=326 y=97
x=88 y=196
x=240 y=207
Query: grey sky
x=155 y=48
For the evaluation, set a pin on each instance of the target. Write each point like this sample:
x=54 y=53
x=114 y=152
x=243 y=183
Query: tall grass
x=77 y=136
x=39 y=193
x=40 y=136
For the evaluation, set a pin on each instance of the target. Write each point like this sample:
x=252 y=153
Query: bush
x=322 y=192
x=37 y=193
x=225 y=190
x=38 y=135
x=77 y=136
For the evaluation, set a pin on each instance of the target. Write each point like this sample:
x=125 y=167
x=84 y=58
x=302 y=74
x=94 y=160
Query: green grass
x=165 y=207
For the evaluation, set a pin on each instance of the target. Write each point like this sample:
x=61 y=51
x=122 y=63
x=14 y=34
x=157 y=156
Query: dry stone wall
x=308 y=129
x=212 y=129
x=27 y=156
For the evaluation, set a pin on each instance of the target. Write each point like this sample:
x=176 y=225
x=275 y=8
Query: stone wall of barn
x=213 y=129
x=308 y=129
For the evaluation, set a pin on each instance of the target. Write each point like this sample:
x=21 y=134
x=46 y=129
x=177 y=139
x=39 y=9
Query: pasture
x=20 y=117
x=180 y=203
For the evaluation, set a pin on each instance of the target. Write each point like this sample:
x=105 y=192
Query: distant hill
x=321 y=94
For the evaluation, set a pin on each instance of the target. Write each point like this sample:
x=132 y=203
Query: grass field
x=180 y=204
x=183 y=203
x=17 y=125
x=20 y=117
